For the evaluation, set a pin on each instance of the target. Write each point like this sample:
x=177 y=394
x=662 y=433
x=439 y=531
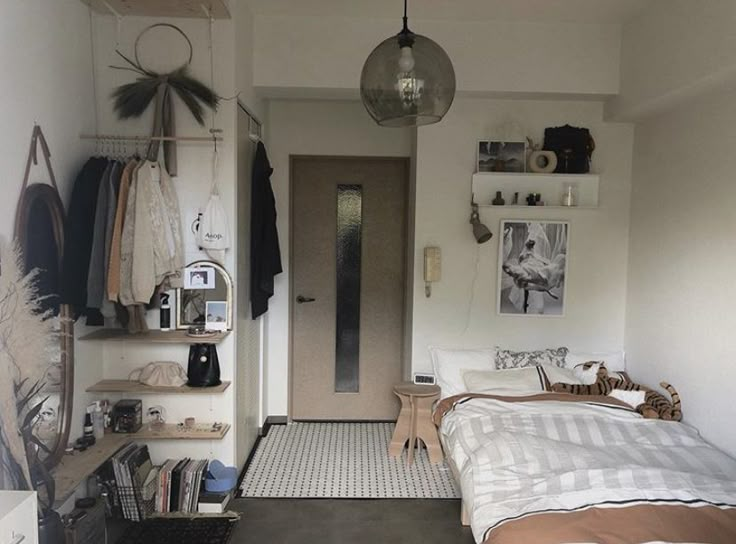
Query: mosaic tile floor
x=341 y=460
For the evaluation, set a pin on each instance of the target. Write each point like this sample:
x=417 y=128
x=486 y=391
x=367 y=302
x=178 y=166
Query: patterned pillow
x=518 y=359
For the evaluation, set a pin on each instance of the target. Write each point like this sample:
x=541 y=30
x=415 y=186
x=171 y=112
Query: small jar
x=569 y=195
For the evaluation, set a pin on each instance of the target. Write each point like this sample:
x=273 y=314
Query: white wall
x=310 y=128
x=462 y=310
x=311 y=54
x=45 y=56
x=680 y=318
x=244 y=30
x=673 y=51
x=445 y=160
x=192 y=185
x=45 y=59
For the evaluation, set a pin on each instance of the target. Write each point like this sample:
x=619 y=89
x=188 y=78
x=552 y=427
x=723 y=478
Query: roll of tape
x=542 y=162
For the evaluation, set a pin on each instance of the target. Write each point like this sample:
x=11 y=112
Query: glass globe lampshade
x=408 y=80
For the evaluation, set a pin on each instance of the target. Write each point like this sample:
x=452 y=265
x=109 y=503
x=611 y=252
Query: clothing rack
x=122 y=138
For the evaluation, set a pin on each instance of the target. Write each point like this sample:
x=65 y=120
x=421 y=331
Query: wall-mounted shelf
x=171 y=431
x=550 y=186
x=160 y=8
x=73 y=470
x=126 y=386
x=160 y=337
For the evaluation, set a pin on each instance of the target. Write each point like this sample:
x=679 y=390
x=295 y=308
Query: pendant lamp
x=407 y=81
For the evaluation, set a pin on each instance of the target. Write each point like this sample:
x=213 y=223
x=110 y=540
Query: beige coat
x=158 y=253
x=113 y=266
x=126 y=242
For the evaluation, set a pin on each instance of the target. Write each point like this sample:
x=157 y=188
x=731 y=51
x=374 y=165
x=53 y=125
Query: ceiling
x=572 y=11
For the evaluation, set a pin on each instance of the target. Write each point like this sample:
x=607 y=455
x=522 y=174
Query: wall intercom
x=432 y=268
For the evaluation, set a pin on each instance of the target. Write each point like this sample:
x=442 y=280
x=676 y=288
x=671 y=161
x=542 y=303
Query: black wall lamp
x=480 y=231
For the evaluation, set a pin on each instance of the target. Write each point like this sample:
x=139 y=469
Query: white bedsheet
x=517 y=459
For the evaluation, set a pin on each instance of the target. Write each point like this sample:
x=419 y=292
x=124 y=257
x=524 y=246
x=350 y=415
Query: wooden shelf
x=550 y=186
x=126 y=386
x=73 y=470
x=171 y=431
x=161 y=337
x=160 y=8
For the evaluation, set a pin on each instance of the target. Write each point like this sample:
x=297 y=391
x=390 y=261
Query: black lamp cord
x=406 y=36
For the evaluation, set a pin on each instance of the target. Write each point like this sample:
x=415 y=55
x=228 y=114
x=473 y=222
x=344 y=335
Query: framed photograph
x=216 y=316
x=199 y=278
x=532 y=271
x=501 y=156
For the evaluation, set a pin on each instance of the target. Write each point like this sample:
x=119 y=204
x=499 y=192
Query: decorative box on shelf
x=551 y=187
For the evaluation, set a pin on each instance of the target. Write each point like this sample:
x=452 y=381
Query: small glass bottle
x=569 y=195
x=98 y=421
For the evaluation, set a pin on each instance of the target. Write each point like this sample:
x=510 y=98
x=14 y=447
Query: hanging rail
x=121 y=138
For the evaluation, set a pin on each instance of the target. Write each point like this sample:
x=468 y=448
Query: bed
x=551 y=468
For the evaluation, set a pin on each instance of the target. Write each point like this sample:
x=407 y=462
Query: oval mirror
x=206 y=299
x=39 y=231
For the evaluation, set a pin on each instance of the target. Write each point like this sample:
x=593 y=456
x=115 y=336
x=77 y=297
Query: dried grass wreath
x=133 y=99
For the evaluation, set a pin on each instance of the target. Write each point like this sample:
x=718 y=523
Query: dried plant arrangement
x=26 y=333
x=133 y=99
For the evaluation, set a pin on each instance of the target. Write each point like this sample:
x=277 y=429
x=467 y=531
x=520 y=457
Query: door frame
x=408 y=261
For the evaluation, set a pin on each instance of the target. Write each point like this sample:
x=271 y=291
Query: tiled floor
x=341 y=521
x=341 y=460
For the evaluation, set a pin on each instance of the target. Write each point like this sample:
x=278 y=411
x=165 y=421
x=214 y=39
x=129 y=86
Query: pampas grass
x=26 y=334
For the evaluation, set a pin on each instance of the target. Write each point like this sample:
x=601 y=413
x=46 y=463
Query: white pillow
x=515 y=381
x=506 y=358
x=615 y=360
x=561 y=375
x=448 y=363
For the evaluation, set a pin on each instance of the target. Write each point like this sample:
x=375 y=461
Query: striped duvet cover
x=533 y=468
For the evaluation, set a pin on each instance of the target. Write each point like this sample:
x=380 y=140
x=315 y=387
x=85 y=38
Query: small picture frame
x=199 y=278
x=216 y=316
x=496 y=156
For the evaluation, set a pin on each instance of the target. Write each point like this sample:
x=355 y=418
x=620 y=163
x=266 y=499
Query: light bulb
x=406 y=60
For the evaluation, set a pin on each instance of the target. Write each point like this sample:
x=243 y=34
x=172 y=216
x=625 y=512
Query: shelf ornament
x=133 y=99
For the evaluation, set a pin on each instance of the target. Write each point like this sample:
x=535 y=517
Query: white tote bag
x=213 y=235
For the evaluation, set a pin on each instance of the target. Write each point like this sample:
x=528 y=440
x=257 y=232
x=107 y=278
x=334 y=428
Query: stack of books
x=214 y=503
x=179 y=485
x=134 y=473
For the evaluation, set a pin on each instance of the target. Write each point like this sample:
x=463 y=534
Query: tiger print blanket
x=523 y=459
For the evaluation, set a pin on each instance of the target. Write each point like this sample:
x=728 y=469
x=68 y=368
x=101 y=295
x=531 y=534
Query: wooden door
x=348 y=240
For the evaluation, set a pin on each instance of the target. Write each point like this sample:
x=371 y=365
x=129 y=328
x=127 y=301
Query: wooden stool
x=415 y=421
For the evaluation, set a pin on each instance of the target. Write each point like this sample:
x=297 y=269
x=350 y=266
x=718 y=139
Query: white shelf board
x=512 y=207
x=550 y=186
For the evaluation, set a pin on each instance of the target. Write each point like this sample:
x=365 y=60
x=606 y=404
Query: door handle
x=301 y=300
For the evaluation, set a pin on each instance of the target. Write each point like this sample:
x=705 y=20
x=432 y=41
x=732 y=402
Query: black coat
x=265 y=255
x=78 y=235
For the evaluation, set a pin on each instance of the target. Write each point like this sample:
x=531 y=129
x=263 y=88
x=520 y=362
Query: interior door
x=348 y=244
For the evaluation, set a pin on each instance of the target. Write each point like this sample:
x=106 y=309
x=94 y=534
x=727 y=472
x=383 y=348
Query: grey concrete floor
x=333 y=521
